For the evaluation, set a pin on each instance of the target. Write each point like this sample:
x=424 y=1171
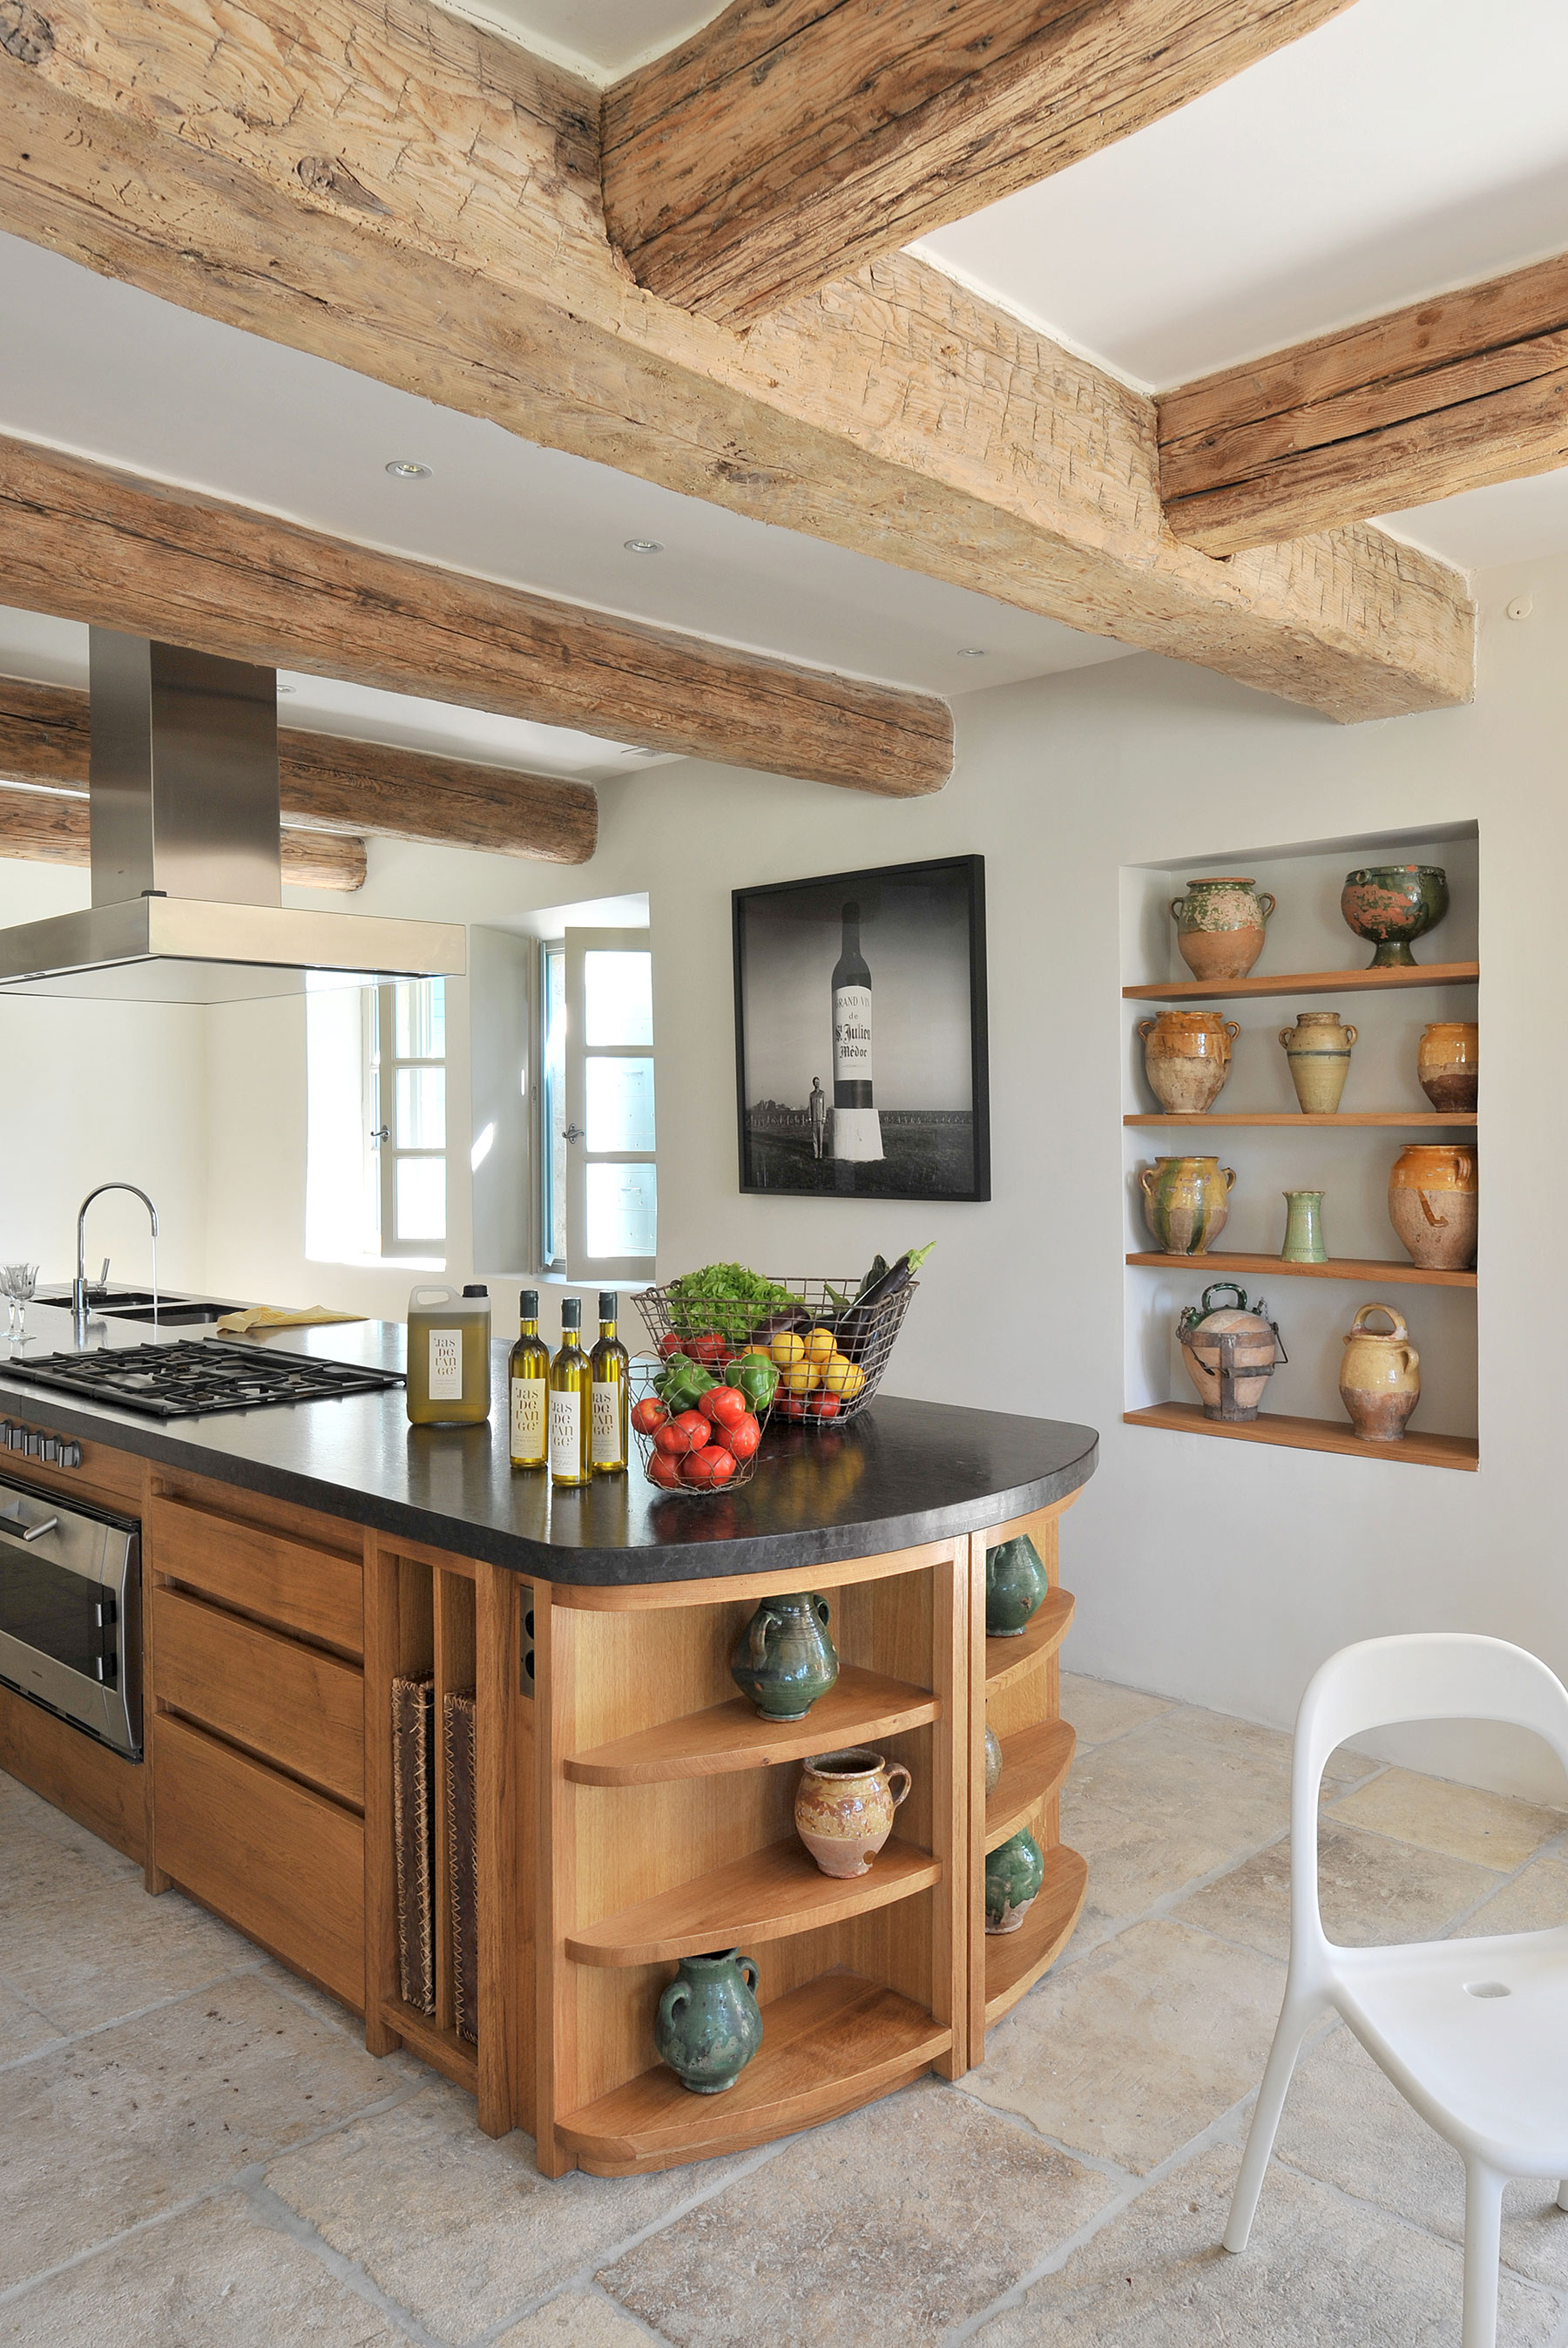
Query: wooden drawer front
x=292 y=1703
x=283 y=1863
x=284 y=1581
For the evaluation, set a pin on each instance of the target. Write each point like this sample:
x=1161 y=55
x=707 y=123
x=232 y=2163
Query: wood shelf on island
x=1380 y=1271
x=1417 y=1450
x=762 y=1896
x=1041 y=1635
x=1396 y=1118
x=861 y=1705
x=1015 y=1961
x=1309 y=982
x=835 y=2043
x=1034 y=1763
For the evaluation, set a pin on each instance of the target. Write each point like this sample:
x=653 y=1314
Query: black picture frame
x=927 y=1152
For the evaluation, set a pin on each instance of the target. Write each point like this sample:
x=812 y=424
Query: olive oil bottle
x=529 y=1379
x=610 y=1366
x=571 y=1381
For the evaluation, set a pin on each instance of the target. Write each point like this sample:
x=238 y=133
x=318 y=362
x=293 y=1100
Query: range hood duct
x=187 y=869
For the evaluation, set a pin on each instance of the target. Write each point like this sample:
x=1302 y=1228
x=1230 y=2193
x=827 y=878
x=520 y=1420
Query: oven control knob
x=49 y=1448
x=32 y=1443
x=8 y=1434
x=71 y=1455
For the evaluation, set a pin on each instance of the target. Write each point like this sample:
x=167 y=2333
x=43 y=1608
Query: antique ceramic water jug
x=707 y=2025
x=844 y=1807
x=1379 y=1377
x=1187 y=1059
x=784 y=1659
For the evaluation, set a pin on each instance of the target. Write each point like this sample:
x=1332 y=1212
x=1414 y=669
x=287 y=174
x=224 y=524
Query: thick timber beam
x=51 y=828
x=403 y=193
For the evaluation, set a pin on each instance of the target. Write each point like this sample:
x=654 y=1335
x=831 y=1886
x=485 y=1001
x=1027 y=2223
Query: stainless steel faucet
x=80 y=1285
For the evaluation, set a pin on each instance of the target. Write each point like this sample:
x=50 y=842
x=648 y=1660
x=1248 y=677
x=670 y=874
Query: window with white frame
x=597 y=1191
x=376 y=1173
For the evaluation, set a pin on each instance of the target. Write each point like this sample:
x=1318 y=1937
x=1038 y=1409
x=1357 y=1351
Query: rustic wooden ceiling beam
x=790 y=142
x=1451 y=394
x=402 y=193
x=47 y=826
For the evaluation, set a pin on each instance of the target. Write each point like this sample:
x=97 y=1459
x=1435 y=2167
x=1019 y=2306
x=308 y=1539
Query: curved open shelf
x=1372 y=1270
x=1034 y=1763
x=859 y=1706
x=1308 y=982
x=835 y=2043
x=1040 y=1635
x=1015 y=1961
x=762 y=1896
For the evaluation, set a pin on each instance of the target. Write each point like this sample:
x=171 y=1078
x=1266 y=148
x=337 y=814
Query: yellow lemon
x=842 y=1377
x=787 y=1348
x=801 y=1377
x=819 y=1345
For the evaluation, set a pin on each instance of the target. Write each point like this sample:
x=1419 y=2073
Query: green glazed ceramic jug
x=1016 y=1582
x=1014 y=1873
x=707 y=2025
x=784 y=1659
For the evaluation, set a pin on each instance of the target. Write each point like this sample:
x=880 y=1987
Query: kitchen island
x=627 y=1808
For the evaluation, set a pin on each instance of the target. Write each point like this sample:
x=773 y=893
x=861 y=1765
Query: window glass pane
x=421 y=1018
x=618 y=998
x=555 y=1105
x=620 y=1210
x=421 y=1108
x=422 y=1198
x=620 y=1104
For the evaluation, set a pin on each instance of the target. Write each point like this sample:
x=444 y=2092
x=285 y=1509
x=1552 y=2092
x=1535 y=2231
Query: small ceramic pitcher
x=1379 y=1377
x=1016 y=1584
x=1185 y=1203
x=844 y=1807
x=784 y=1659
x=1220 y=926
x=707 y=2025
x=1014 y=1873
x=1187 y=1059
x=1318 y=1049
x=1433 y=1204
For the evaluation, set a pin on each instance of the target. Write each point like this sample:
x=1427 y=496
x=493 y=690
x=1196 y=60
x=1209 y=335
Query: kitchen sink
x=172 y=1312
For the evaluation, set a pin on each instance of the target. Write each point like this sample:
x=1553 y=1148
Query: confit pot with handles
x=1185 y=1203
x=1318 y=1050
x=709 y=2026
x=1220 y=926
x=784 y=1659
x=843 y=1806
x=1434 y=1204
x=1187 y=1059
x=1379 y=1377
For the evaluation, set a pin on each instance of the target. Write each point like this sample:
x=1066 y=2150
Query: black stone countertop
x=903 y=1473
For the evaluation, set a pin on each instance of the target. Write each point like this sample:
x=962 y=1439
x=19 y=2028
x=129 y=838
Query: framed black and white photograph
x=860 y=1033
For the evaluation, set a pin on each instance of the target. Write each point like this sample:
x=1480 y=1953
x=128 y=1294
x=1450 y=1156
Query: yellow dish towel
x=279 y=1316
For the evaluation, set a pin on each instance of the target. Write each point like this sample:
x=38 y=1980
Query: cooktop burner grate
x=198 y=1375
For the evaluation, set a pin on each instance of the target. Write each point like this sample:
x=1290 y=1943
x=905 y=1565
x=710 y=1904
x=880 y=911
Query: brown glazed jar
x=1187 y=1059
x=1448 y=1062
x=1433 y=1204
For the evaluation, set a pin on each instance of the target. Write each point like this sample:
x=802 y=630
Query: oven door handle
x=36 y=1532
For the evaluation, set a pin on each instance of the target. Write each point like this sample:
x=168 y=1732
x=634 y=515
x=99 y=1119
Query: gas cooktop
x=196 y=1375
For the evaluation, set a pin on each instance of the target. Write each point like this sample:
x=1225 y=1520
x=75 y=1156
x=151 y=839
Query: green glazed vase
x=993 y=1759
x=707 y=2025
x=784 y=1659
x=1304 y=1241
x=1014 y=1873
x=1016 y=1582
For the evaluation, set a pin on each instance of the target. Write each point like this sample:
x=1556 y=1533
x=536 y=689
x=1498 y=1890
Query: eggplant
x=777 y=1324
x=854 y=1332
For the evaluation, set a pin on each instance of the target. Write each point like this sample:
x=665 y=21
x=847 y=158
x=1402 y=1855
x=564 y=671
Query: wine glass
x=20 y=1282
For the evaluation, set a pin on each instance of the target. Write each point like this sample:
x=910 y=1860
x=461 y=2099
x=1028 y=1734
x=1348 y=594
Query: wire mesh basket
x=671 y=1479
x=842 y=1353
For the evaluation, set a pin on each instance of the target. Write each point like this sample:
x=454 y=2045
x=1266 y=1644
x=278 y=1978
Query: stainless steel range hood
x=186 y=874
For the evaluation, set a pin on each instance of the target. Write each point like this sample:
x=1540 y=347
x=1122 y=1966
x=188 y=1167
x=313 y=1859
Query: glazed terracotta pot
x=707 y=2025
x=1187 y=1059
x=1303 y=1228
x=1448 y=1062
x=1433 y=1204
x=1318 y=1049
x=1185 y=1203
x=1251 y=1358
x=1379 y=1377
x=784 y=1659
x=1393 y=905
x=1014 y=1873
x=1220 y=926
x=1016 y=1585
x=844 y=1807
x=993 y=1759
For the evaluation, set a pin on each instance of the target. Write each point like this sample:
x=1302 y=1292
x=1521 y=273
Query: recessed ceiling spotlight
x=643 y=545
x=972 y=651
x=288 y=688
x=636 y=750
x=404 y=469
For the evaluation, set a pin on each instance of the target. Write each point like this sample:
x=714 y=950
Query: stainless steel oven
x=70 y=1612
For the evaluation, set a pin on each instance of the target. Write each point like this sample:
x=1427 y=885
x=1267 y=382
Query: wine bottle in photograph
x=610 y=1365
x=527 y=1380
x=856 y=1127
x=571 y=1381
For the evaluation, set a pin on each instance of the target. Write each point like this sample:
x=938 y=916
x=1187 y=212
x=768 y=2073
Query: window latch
x=573 y=1132
x=379 y=1133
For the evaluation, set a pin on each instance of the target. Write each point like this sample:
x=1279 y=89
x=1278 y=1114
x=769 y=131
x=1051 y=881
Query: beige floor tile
x=215 y=2277
x=1318 y=2273
x=1098 y=1709
x=42 y=1851
x=1272 y=1745
x=90 y=1950
x=118 y=2127
x=1533 y=1902
x=880 y=2232
x=1493 y=1830
x=1347 y=2126
x=578 y=2319
x=23 y=2030
x=1162 y=1806
x=457 y=2228
x=1139 y=2046
x=1370 y=1891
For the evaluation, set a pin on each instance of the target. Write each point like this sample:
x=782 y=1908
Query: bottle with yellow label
x=528 y=1383
x=610 y=1366
x=571 y=1384
x=448 y=1382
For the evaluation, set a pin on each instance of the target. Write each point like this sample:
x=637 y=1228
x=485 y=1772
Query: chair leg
x=1563 y=2194
x=1482 y=2247
x=1297 y=2018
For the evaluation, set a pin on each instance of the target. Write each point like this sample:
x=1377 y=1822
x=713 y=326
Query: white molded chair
x=1474 y=2033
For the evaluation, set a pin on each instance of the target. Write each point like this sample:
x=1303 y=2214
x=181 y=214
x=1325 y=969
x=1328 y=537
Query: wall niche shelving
x=1256 y=1126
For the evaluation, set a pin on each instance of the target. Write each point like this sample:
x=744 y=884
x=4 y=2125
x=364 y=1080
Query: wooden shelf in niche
x=1417 y=1450
x=1015 y=1961
x=1041 y=1635
x=833 y=2042
x=860 y=1706
x=1309 y=982
x=1396 y=1119
x=1034 y=1763
x=766 y=1896
x=1373 y=1270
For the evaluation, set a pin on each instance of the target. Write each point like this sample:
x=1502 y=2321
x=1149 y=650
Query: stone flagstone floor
x=196 y=2152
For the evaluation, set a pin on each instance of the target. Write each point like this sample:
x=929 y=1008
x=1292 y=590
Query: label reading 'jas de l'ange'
x=445 y=1365
x=528 y=1418
x=565 y=1434
x=606 y=1423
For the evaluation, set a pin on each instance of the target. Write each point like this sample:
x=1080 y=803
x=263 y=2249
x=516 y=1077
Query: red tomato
x=712 y=1465
x=673 y=1440
x=664 y=1470
x=669 y=1344
x=710 y=1348
x=741 y=1439
x=725 y=1406
x=823 y=1406
x=789 y=1406
x=648 y=1415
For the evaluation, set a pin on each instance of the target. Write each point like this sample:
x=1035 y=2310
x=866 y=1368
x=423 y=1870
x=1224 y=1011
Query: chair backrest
x=1421 y=1675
